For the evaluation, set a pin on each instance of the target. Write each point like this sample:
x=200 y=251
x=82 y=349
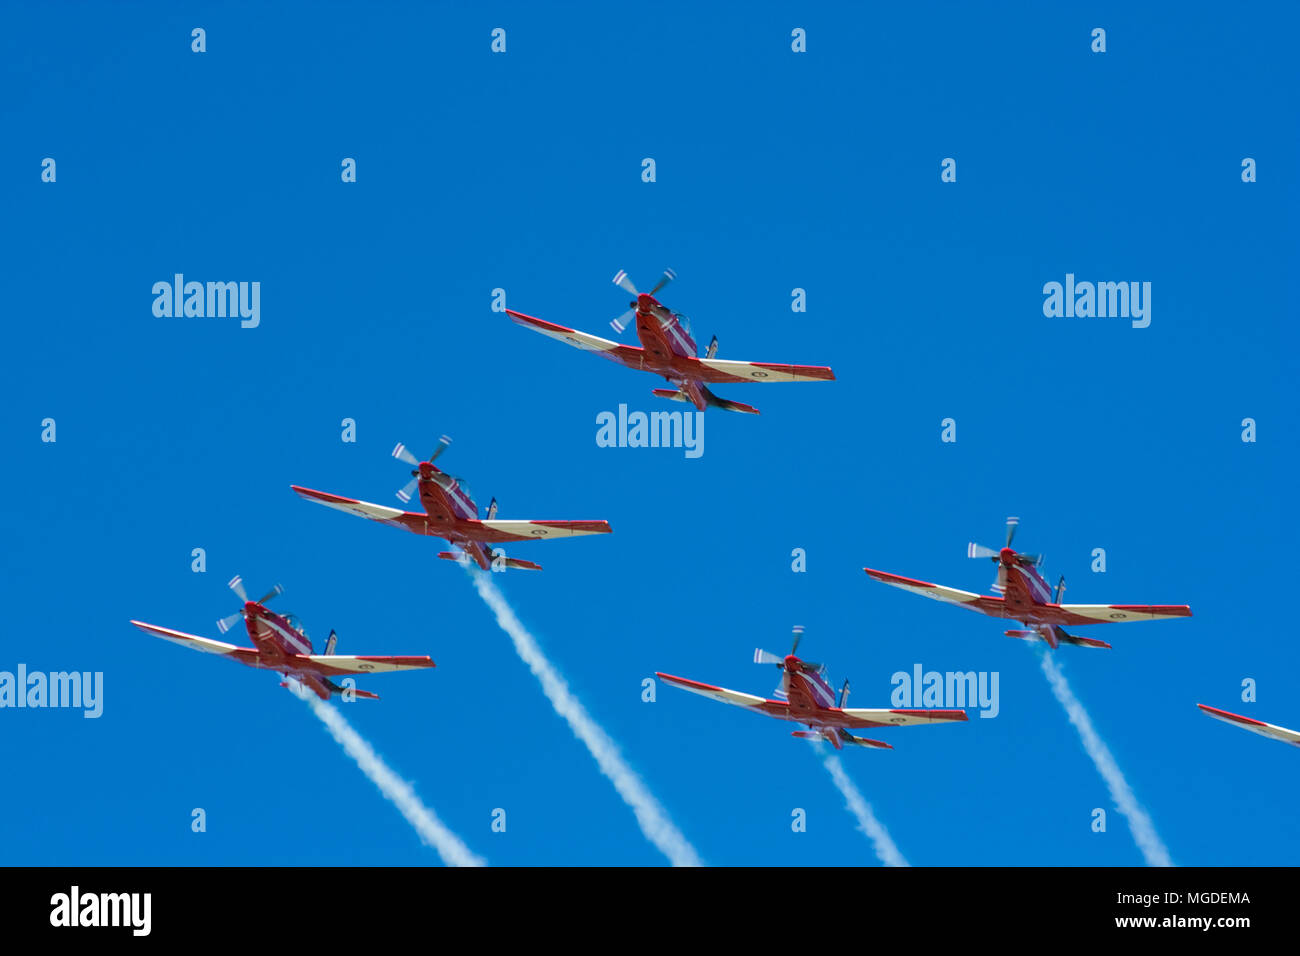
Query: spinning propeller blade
x=624 y=320
x=236 y=584
x=668 y=277
x=974 y=550
x=766 y=657
x=229 y=621
x=443 y=442
x=402 y=453
x=407 y=490
x=623 y=282
x=1012 y=524
x=274 y=592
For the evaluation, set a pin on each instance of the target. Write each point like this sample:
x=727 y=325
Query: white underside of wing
x=1113 y=615
x=362 y=665
x=718 y=693
x=759 y=373
x=893 y=718
x=534 y=529
x=192 y=641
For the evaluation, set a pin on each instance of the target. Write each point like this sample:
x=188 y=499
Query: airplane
x=668 y=350
x=1027 y=598
x=450 y=513
x=805 y=697
x=281 y=644
x=1254 y=726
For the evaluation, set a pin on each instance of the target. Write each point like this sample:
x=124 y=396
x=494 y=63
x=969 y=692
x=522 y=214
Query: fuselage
x=811 y=699
x=448 y=506
x=275 y=637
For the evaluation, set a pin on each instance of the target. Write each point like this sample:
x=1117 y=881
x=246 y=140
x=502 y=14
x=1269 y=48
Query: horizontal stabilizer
x=724 y=403
x=848 y=738
x=520 y=564
x=727 y=405
x=1081 y=641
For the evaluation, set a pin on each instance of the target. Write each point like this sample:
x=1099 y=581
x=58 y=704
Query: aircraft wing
x=364 y=509
x=773 y=708
x=242 y=654
x=721 y=370
x=868 y=717
x=983 y=603
x=629 y=355
x=354 y=664
x=1254 y=726
x=494 y=531
x=1119 y=613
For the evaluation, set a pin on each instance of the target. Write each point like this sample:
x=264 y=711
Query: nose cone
x=252 y=607
x=643 y=302
x=1007 y=556
x=791 y=662
x=427 y=469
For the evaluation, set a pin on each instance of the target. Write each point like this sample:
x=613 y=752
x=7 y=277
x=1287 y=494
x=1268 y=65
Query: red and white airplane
x=1254 y=726
x=805 y=697
x=1027 y=598
x=668 y=350
x=450 y=513
x=281 y=644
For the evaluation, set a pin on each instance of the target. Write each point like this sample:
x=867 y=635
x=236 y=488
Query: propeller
x=236 y=584
x=767 y=657
x=403 y=454
x=974 y=550
x=623 y=282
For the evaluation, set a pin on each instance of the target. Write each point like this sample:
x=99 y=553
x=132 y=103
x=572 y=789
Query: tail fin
x=330 y=643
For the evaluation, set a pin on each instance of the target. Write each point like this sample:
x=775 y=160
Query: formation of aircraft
x=1254 y=726
x=668 y=350
x=281 y=644
x=450 y=513
x=805 y=696
x=1024 y=596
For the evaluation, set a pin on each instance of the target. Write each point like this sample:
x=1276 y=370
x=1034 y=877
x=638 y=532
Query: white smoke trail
x=1144 y=831
x=650 y=816
x=431 y=830
x=875 y=830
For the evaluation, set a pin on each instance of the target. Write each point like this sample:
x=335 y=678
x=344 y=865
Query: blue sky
x=521 y=171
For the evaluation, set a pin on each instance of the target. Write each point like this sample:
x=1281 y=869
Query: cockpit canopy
x=297 y=625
